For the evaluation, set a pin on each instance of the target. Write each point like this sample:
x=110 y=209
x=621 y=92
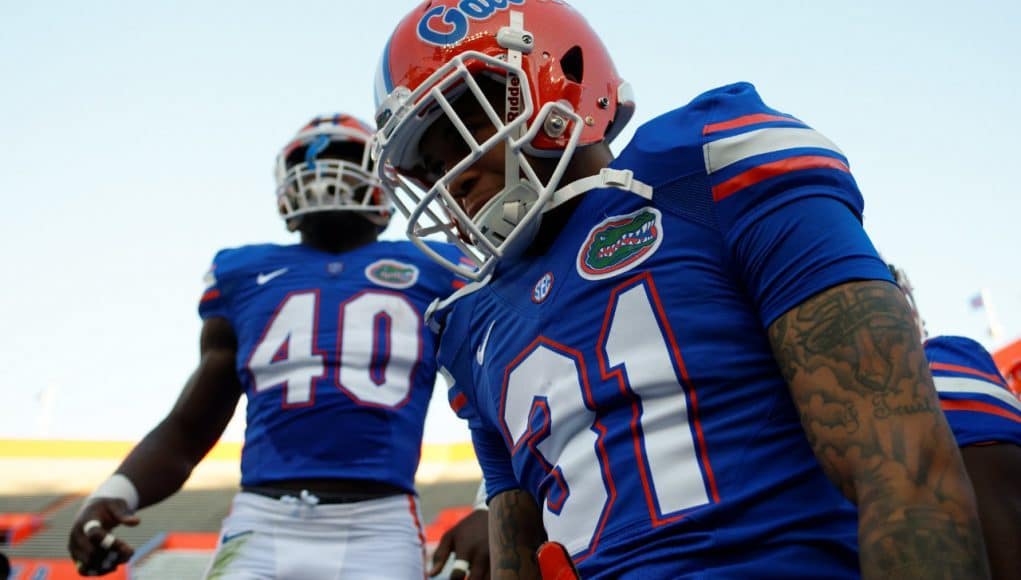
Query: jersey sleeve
x=495 y=461
x=972 y=393
x=213 y=302
x=490 y=450
x=785 y=201
x=455 y=361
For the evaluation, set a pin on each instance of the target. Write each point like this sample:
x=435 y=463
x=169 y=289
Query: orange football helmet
x=562 y=92
x=315 y=172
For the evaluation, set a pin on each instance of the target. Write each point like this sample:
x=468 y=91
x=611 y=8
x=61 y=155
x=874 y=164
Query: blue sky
x=136 y=139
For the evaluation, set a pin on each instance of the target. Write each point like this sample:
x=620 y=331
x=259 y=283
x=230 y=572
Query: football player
x=679 y=362
x=985 y=418
x=326 y=339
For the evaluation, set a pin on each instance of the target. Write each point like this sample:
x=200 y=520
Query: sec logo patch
x=542 y=288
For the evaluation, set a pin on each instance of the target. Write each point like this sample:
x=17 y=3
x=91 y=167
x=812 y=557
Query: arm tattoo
x=515 y=533
x=862 y=386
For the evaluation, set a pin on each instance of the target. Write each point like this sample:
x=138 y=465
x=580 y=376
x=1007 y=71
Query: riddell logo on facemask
x=513 y=98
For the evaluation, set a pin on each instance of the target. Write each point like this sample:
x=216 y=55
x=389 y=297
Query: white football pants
x=280 y=539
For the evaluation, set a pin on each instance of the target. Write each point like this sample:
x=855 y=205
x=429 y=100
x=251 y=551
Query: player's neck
x=340 y=237
x=587 y=161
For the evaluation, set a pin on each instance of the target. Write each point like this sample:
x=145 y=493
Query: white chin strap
x=607 y=177
x=502 y=215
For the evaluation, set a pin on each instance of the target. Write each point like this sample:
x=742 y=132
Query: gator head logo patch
x=619 y=243
x=392 y=274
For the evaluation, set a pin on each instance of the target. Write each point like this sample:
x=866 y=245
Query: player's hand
x=94 y=549
x=468 y=540
x=555 y=563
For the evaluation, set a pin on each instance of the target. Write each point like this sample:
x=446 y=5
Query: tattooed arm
x=857 y=373
x=515 y=533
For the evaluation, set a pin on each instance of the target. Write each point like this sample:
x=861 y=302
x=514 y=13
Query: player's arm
x=515 y=534
x=857 y=373
x=515 y=522
x=995 y=472
x=163 y=460
x=161 y=463
x=790 y=214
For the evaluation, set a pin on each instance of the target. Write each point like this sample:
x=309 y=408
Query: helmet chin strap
x=502 y=214
x=607 y=177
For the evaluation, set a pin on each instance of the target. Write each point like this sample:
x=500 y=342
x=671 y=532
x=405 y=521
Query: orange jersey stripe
x=768 y=170
x=210 y=294
x=981 y=408
x=936 y=366
x=745 y=121
x=459 y=402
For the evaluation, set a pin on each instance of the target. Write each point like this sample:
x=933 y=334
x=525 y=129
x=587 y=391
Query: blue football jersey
x=972 y=392
x=335 y=359
x=625 y=378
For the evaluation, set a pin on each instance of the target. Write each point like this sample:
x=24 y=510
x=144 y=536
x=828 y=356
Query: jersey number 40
x=379 y=344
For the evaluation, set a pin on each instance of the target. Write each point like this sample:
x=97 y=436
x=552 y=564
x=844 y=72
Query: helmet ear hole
x=573 y=64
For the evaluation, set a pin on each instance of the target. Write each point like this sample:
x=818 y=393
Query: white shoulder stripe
x=952 y=385
x=724 y=152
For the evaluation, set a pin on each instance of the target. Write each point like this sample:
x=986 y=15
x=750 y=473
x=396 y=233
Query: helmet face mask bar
x=330 y=183
x=508 y=221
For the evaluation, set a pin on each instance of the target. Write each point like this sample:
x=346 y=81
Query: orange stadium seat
x=190 y=541
x=18 y=527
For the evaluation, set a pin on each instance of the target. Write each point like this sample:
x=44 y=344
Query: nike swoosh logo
x=227 y=538
x=263 y=278
x=480 y=354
